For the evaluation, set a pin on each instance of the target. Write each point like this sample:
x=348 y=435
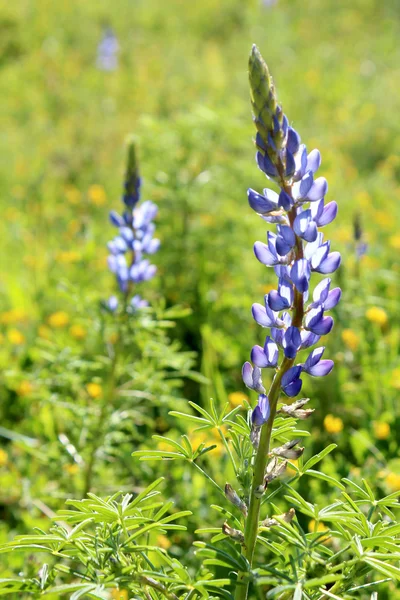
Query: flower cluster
x=128 y=250
x=297 y=249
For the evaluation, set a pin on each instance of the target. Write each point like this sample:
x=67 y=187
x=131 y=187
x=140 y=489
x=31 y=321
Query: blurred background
x=75 y=79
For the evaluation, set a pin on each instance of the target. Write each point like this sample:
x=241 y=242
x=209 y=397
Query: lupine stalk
x=295 y=252
x=128 y=250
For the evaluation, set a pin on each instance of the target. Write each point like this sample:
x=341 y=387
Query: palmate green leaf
x=319 y=475
x=383 y=567
x=236 y=560
x=9 y=585
x=318 y=457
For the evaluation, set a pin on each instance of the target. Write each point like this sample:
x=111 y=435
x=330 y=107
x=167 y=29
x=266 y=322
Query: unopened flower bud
x=259 y=491
x=235 y=534
x=274 y=470
x=287 y=517
x=234 y=498
x=288 y=450
x=295 y=409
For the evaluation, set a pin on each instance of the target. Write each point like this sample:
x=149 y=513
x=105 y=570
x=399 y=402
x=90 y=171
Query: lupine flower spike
x=128 y=250
x=296 y=251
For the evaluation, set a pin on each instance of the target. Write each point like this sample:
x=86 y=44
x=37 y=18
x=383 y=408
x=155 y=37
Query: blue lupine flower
x=135 y=236
x=315 y=366
x=107 y=51
x=265 y=357
x=291 y=382
x=296 y=251
x=252 y=377
x=262 y=411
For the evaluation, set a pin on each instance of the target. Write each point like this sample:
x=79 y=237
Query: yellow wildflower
x=350 y=339
x=237 y=399
x=163 y=542
x=68 y=256
x=97 y=195
x=290 y=465
x=333 y=424
x=313 y=527
x=15 y=315
x=44 y=332
x=394 y=242
x=395 y=379
x=25 y=388
x=382 y=430
x=3 y=458
x=94 y=390
x=117 y=594
x=393 y=481
x=377 y=315
x=78 y=332
x=58 y=319
x=71 y=469
x=15 y=337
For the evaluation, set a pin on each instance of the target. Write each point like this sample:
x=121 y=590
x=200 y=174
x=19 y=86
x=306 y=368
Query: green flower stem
x=252 y=520
x=107 y=401
x=260 y=463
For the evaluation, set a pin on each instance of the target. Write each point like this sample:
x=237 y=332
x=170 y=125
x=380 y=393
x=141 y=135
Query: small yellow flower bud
x=78 y=332
x=333 y=424
x=94 y=390
x=15 y=337
x=382 y=430
x=350 y=339
x=377 y=315
x=58 y=319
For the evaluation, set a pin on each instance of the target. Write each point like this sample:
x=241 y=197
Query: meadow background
x=181 y=87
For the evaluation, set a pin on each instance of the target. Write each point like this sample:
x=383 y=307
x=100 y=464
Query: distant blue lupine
x=107 y=51
x=295 y=251
x=128 y=250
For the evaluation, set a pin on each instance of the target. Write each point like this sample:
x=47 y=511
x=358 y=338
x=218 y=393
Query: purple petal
x=271 y=352
x=301 y=161
x=323 y=327
x=258 y=357
x=314 y=358
x=263 y=204
x=266 y=165
x=277 y=335
x=264 y=255
x=321 y=291
x=330 y=264
x=276 y=302
x=285 y=201
x=247 y=375
x=319 y=256
x=260 y=142
x=290 y=164
x=328 y=215
x=318 y=189
x=116 y=219
x=324 y=367
x=291 y=382
x=308 y=339
x=291 y=342
x=313 y=161
x=293 y=140
x=300 y=274
x=333 y=299
x=257 y=417
x=260 y=315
